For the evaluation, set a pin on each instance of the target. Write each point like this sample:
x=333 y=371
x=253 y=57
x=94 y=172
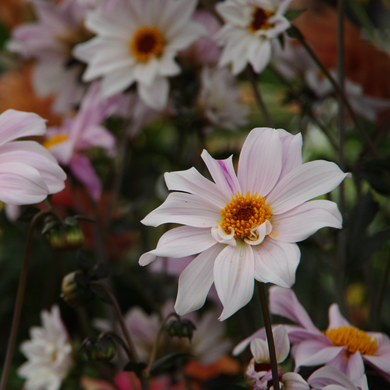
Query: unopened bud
x=182 y=328
x=101 y=348
x=63 y=237
x=74 y=289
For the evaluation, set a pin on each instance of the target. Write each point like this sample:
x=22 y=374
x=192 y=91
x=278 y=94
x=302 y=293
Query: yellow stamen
x=260 y=20
x=354 y=339
x=244 y=213
x=146 y=43
x=55 y=140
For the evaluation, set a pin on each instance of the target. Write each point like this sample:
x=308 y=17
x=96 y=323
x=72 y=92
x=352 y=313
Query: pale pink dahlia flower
x=83 y=132
x=250 y=26
x=137 y=41
x=28 y=172
x=244 y=226
x=341 y=346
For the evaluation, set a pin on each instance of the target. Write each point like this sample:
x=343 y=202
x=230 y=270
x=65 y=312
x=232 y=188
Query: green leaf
x=293 y=13
x=166 y=362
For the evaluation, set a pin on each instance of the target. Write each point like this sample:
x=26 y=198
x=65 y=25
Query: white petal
x=260 y=161
x=195 y=281
x=282 y=345
x=292 y=151
x=233 y=278
x=117 y=81
x=259 y=349
x=293 y=381
x=155 y=95
x=260 y=55
x=336 y=320
x=303 y=183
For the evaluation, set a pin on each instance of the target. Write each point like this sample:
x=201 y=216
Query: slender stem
x=381 y=294
x=337 y=89
x=259 y=99
x=270 y=337
x=160 y=332
x=20 y=298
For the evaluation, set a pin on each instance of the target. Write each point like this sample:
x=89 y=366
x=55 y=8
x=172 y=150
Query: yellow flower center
x=260 y=20
x=354 y=339
x=146 y=42
x=55 y=140
x=244 y=213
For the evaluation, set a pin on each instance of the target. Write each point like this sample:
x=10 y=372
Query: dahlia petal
x=167 y=65
x=87 y=50
x=292 y=151
x=276 y=262
x=283 y=302
x=180 y=242
x=193 y=182
x=351 y=365
x=328 y=376
x=301 y=222
x=179 y=17
x=303 y=183
x=260 y=334
x=222 y=172
x=259 y=54
x=293 y=381
x=21 y=184
x=155 y=95
x=83 y=170
x=117 y=81
x=186 y=209
x=188 y=34
x=233 y=278
x=379 y=362
x=260 y=162
x=196 y=280
x=259 y=350
x=233 y=13
x=282 y=344
x=145 y=73
x=15 y=124
x=336 y=320
x=99 y=136
x=35 y=155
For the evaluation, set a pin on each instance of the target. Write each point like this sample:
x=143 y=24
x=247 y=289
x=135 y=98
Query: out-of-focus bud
x=64 y=236
x=182 y=328
x=74 y=289
x=101 y=348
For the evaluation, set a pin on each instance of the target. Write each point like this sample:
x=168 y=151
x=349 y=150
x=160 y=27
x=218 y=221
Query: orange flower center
x=354 y=339
x=244 y=213
x=55 y=140
x=260 y=19
x=146 y=43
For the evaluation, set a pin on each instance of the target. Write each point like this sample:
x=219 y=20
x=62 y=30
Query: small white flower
x=137 y=42
x=219 y=99
x=48 y=353
x=250 y=26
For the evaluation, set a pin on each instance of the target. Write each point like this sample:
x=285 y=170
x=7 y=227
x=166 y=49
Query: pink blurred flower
x=137 y=42
x=82 y=132
x=244 y=226
x=50 y=41
x=28 y=172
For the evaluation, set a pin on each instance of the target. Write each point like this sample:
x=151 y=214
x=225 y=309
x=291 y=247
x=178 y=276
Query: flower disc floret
x=260 y=19
x=146 y=43
x=244 y=213
x=354 y=339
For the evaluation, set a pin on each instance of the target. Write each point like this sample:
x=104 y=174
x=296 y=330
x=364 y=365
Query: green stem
x=20 y=298
x=270 y=337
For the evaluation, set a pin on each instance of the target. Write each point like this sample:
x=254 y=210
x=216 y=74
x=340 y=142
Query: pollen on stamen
x=244 y=213
x=147 y=42
x=260 y=20
x=55 y=140
x=354 y=339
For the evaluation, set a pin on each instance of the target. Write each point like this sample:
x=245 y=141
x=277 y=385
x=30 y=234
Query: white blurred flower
x=250 y=26
x=219 y=99
x=48 y=353
x=136 y=42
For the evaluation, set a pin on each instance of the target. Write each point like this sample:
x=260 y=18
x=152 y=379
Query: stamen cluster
x=260 y=20
x=244 y=213
x=354 y=339
x=146 y=42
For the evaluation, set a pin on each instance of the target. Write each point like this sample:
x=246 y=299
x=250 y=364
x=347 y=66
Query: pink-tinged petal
x=259 y=349
x=327 y=376
x=283 y=302
x=336 y=320
x=233 y=278
x=308 y=181
x=83 y=170
x=293 y=381
x=96 y=136
x=223 y=174
x=180 y=242
x=260 y=334
x=35 y=155
x=350 y=365
x=186 y=209
x=282 y=344
x=193 y=182
x=302 y=221
x=15 y=124
x=63 y=151
x=314 y=352
x=276 y=262
x=117 y=81
x=260 y=161
x=156 y=94
x=196 y=280
x=292 y=151
x=21 y=184
x=380 y=363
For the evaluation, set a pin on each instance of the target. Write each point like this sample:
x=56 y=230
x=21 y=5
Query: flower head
x=136 y=42
x=28 y=172
x=48 y=353
x=244 y=226
x=250 y=26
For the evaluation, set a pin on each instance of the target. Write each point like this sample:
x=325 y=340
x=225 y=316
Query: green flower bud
x=102 y=348
x=74 y=289
x=182 y=328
